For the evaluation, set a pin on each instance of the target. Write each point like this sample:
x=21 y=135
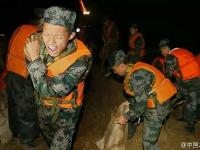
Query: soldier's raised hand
x=32 y=47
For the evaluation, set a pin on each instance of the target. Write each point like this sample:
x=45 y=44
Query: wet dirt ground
x=102 y=97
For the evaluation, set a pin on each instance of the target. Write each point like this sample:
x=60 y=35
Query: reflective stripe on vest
x=188 y=65
x=16 y=58
x=162 y=87
x=58 y=67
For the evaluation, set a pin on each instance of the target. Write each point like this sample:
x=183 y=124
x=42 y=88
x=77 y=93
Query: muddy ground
x=102 y=97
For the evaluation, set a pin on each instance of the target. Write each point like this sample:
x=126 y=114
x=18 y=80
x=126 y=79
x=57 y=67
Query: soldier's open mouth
x=52 y=49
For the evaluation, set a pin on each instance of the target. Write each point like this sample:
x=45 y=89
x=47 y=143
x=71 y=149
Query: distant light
x=2 y=35
x=83 y=8
x=78 y=30
x=86 y=12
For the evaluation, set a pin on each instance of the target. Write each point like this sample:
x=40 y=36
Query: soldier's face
x=119 y=69
x=55 y=38
x=165 y=51
x=133 y=30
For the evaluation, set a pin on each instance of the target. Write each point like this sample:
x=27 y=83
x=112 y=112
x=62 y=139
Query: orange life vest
x=132 y=45
x=162 y=87
x=58 y=67
x=159 y=61
x=16 y=58
x=188 y=65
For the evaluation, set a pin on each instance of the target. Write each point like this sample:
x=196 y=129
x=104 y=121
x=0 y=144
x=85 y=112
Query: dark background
x=177 y=20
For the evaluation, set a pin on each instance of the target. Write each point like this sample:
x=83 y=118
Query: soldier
x=136 y=44
x=150 y=92
x=182 y=64
x=110 y=35
x=58 y=65
x=22 y=112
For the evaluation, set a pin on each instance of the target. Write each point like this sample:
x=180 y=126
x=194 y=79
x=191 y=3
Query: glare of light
x=86 y=12
x=78 y=30
x=83 y=8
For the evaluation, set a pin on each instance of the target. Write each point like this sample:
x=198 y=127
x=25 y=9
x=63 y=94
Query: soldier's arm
x=140 y=81
x=171 y=66
x=60 y=85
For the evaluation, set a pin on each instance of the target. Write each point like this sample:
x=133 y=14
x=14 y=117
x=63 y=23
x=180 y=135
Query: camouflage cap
x=60 y=16
x=117 y=58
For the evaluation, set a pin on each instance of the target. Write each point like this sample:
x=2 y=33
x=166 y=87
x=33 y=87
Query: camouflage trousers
x=22 y=110
x=153 y=122
x=58 y=134
x=191 y=97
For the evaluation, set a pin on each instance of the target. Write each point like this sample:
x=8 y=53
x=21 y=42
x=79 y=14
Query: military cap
x=60 y=16
x=117 y=58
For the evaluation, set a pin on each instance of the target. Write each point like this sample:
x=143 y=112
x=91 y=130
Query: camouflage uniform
x=140 y=82
x=189 y=90
x=58 y=124
x=58 y=132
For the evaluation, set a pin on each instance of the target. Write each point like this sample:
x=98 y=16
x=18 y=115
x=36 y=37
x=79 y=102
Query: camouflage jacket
x=140 y=83
x=171 y=65
x=62 y=84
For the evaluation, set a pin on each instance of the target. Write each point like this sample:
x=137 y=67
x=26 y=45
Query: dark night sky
x=158 y=19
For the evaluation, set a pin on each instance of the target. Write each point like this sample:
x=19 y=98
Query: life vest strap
x=53 y=100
